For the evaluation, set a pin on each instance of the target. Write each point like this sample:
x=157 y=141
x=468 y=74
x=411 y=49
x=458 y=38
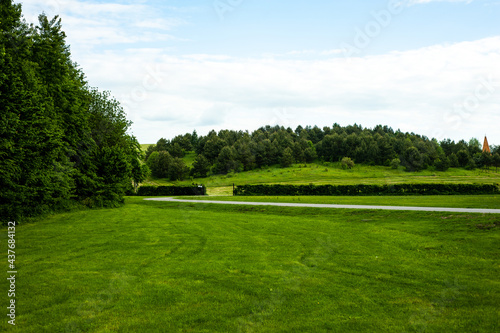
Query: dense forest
x=62 y=143
x=236 y=151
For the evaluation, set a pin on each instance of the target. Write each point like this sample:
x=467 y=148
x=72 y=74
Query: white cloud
x=416 y=90
x=93 y=24
x=167 y=95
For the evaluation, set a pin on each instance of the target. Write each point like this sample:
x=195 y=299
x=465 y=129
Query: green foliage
x=347 y=163
x=378 y=146
x=227 y=161
x=213 y=148
x=412 y=159
x=140 y=172
x=60 y=140
x=471 y=164
x=176 y=150
x=151 y=191
x=453 y=160
x=201 y=166
x=158 y=163
x=287 y=158
x=310 y=154
x=177 y=169
x=442 y=164
x=355 y=190
x=496 y=160
x=463 y=157
x=395 y=163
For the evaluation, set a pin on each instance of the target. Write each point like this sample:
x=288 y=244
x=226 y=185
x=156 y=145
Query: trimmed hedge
x=354 y=190
x=153 y=191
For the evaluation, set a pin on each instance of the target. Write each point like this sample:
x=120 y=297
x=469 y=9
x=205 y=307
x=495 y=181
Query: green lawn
x=181 y=267
x=454 y=201
x=331 y=173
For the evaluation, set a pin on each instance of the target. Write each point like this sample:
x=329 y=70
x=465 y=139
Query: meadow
x=182 y=267
x=332 y=173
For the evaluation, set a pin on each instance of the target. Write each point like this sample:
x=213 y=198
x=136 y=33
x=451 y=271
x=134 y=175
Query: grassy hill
x=332 y=173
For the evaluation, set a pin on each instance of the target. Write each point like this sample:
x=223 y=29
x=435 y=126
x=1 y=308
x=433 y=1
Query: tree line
x=236 y=151
x=62 y=142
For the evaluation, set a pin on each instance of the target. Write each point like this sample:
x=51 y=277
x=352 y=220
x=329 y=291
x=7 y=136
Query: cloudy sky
x=426 y=66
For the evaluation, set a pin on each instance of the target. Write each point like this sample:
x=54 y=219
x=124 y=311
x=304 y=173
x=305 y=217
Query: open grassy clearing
x=180 y=267
x=454 y=201
x=331 y=173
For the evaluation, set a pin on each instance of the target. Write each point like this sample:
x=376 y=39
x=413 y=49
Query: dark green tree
x=149 y=151
x=177 y=169
x=453 y=160
x=213 y=148
x=140 y=172
x=176 y=150
x=496 y=160
x=412 y=159
x=287 y=158
x=162 y=145
x=442 y=164
x=194 y=140
x=395 y=163
x=201 y=167
x=463 y=157
x=159 y=163
x=227 y=161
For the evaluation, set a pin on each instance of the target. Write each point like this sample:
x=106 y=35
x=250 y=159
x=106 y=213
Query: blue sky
x=424 y=66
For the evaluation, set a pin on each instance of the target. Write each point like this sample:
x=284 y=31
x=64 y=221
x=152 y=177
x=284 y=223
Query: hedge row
x=353 y=190
x=152 y=191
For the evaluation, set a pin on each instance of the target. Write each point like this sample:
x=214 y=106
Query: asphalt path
x=281 y=204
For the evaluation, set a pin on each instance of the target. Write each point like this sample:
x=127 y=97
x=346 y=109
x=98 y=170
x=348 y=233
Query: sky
x=431 y=67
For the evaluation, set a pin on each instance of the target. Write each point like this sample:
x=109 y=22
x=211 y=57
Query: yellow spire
x=486 y=146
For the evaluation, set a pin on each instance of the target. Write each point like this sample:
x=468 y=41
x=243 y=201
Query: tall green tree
x=413 y=159
x=60 y=140
x=201 y=167
x=227 y=160
x=177 y=169
x=159 y=164
x=287 y=158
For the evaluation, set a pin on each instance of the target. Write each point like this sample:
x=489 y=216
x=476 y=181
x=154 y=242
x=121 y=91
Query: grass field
x=180 y=267
x=331 y=173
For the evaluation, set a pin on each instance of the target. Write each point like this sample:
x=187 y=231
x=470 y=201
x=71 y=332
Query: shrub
x=356 y=190
x=151 y=191
x=395 y=163
x=347 y=163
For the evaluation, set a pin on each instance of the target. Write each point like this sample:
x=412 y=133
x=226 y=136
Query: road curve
x=281 y=204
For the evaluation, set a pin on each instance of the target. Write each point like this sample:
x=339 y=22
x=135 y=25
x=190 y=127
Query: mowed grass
x=332 y=173
x=182 y=267
x=453 y=201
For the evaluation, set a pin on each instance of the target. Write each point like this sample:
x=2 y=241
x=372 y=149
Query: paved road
x=280 y=204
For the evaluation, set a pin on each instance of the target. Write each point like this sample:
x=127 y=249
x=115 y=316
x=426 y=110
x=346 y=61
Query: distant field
x=144 y=147
x=180 y=267
x=331 y=173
